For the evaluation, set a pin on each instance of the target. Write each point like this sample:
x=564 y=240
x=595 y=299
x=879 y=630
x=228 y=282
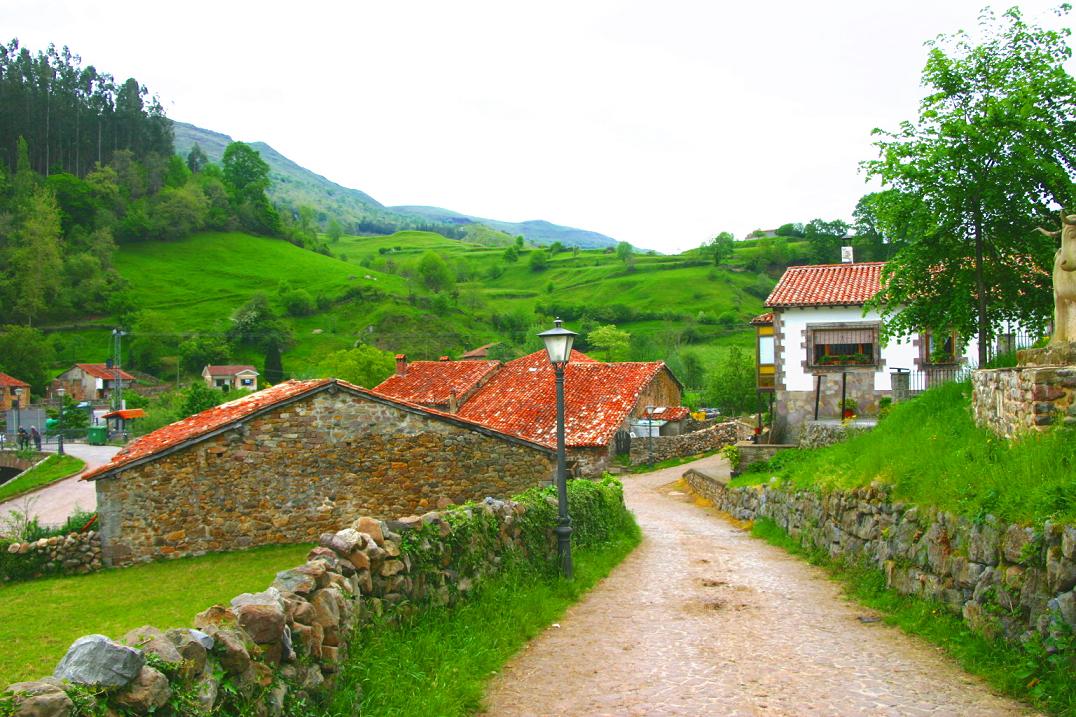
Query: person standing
x=23 y=439
x=36 y=436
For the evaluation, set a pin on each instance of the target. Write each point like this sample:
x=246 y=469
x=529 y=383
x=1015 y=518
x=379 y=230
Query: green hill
x=371 y=292
x=293 y=186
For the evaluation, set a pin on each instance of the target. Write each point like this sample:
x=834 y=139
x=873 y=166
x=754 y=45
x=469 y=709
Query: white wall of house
x=794 y=322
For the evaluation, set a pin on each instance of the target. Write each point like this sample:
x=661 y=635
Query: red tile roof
x=227 y=370
x=100 y=370
x=520 y=399
x=763 y=319
x=827 y=285
x=429 y=383
x=126 y=413
x=479 y=353
x=11 y=381
x=202 y=425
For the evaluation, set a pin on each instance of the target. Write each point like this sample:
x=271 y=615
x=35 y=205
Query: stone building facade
x=294 y=469
x=1039 y=393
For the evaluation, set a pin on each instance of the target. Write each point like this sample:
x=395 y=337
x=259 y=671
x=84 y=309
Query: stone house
x=92 y=381
x=819 y=342
x=518 y=398
x=287 y=463
x=231 y=378
x=12 y=392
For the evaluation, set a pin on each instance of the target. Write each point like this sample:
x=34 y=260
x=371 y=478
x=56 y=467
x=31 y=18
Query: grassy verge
x=54 y=468
x=40 y=619
x=932 y=453
x=442 y=658
x=1039 y=673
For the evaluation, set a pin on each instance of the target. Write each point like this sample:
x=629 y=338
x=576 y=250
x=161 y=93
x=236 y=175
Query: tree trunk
x=980 y=290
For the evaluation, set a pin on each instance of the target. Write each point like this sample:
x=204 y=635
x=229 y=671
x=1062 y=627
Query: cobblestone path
x=702 y=619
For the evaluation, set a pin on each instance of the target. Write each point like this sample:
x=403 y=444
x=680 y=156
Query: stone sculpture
x=1064 y=281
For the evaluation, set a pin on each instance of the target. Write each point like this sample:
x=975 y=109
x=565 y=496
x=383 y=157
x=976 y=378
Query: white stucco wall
x=896 y=354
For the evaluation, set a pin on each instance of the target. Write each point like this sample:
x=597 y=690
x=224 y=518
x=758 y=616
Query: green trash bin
x=97 y=435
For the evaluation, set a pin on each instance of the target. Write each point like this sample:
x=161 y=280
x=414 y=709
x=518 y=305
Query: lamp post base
x=564 y=545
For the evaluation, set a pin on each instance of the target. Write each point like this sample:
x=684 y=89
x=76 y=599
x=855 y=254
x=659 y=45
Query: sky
x=657 y=123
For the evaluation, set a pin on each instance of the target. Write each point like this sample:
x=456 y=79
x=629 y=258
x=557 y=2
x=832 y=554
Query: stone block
x=1015 y=544
x=96 y=660
x=40 y=699
x=147 y=693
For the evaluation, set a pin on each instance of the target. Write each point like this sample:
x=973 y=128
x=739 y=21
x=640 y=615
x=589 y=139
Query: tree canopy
x=991 y=155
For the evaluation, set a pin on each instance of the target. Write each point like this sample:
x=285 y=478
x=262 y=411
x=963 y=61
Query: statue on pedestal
x=1064 y=281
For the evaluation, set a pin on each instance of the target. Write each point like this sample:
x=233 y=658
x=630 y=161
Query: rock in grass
x=96 y=660
x=40 y=699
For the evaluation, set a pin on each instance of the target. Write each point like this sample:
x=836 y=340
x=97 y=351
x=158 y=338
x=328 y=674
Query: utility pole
x=117 y=389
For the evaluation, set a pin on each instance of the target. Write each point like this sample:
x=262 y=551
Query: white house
x=818 y=344
x=231 y=378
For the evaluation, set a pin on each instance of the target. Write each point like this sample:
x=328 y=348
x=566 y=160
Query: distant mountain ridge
x=294 y=185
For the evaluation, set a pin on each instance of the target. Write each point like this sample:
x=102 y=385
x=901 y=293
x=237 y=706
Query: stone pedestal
x=1038 y=393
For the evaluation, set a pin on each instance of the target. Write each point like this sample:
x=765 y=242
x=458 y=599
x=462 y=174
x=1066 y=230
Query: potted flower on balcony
x=849 y=408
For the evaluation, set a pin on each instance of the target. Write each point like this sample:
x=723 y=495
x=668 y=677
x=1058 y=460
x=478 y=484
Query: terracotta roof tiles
x=100 y=370
x=228 y=369
x=827 y=285
x=11 y=381
x=430 y=383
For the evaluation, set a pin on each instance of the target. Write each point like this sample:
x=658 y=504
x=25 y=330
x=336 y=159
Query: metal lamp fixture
x=60 y=433
x=558 y=344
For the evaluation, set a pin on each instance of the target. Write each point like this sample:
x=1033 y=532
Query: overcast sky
x=659 y=123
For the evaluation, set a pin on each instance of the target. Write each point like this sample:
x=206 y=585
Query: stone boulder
x=149 y=692
x=153 y=642
x=40 y=699
x=96 y=660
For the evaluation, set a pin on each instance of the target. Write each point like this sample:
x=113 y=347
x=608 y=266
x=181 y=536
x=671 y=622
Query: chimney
x=444 y=358
x=453 y=402
x=846 y=255
x=401 y=364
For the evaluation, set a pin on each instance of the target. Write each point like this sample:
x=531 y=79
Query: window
x=843 y=346
x=248 y=381
x=941 y=348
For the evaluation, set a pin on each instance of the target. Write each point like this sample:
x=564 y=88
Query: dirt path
x=55 y=502
x=702 y=619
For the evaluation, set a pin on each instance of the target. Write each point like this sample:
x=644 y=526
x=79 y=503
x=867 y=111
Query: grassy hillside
x=370 y=292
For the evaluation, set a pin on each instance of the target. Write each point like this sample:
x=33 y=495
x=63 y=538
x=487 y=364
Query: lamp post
x=558 y=344
x=60 y=423
x=18 y=410
x=650 y=435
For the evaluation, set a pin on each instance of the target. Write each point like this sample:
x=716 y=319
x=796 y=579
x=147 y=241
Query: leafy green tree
x=36 y=261
x=826 y=238
x=556 y=248
x=274 y=364
x=25 y=354
x=254 y=324
x=511 y=255
x=693 y=369
x=178 y=172
x=992 y=151
x=335 y=230
x=196 y=159
x=731 y=388
x=612 y=341
x=720 y=248
x=624 y=252
x=434 y=272
x=247 y=177
x=792 y=229
x=197 y=352
x=363 y=365
x=519 y=241
x=151 y=336
x=199 y=397
x=539 y=260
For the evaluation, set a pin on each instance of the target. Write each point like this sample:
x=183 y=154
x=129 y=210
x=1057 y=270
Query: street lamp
x=18 y=409
x=60 y=424
x=558 y=344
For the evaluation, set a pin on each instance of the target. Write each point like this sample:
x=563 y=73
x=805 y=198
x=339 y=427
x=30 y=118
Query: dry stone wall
x=1004 y=579
x=71 y=554
x=302 y=469
x=279 y=651
x=1011 y=401
x=686 y=444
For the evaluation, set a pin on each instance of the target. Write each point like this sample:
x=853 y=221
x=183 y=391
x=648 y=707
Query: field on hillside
x=369 y=291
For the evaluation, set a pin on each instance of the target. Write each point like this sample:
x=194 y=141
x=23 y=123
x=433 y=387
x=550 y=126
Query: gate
x=623 y=442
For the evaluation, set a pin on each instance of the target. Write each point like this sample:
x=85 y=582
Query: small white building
x=231 y=378
x=820 y=344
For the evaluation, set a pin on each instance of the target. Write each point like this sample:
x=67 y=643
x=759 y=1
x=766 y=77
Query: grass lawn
x=40 y=619
x=931 y=452
x=53 y=469
x=1041 y=674
x=439 y=662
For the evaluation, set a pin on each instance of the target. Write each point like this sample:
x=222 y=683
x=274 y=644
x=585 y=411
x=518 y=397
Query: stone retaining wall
x=279 y=651
x=1005 y=579
x=1011 y=401
x=759 y=452
x=686 y=444
x=71 y=554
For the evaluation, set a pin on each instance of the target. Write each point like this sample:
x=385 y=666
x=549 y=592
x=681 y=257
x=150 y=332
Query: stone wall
x=280 y=651
x=1005 y=579
x=686 y=444
x=793 y=409
x=302 y=469
x=71 y=554
x=816 y=434
x=759 y=452
x=1011 y=401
